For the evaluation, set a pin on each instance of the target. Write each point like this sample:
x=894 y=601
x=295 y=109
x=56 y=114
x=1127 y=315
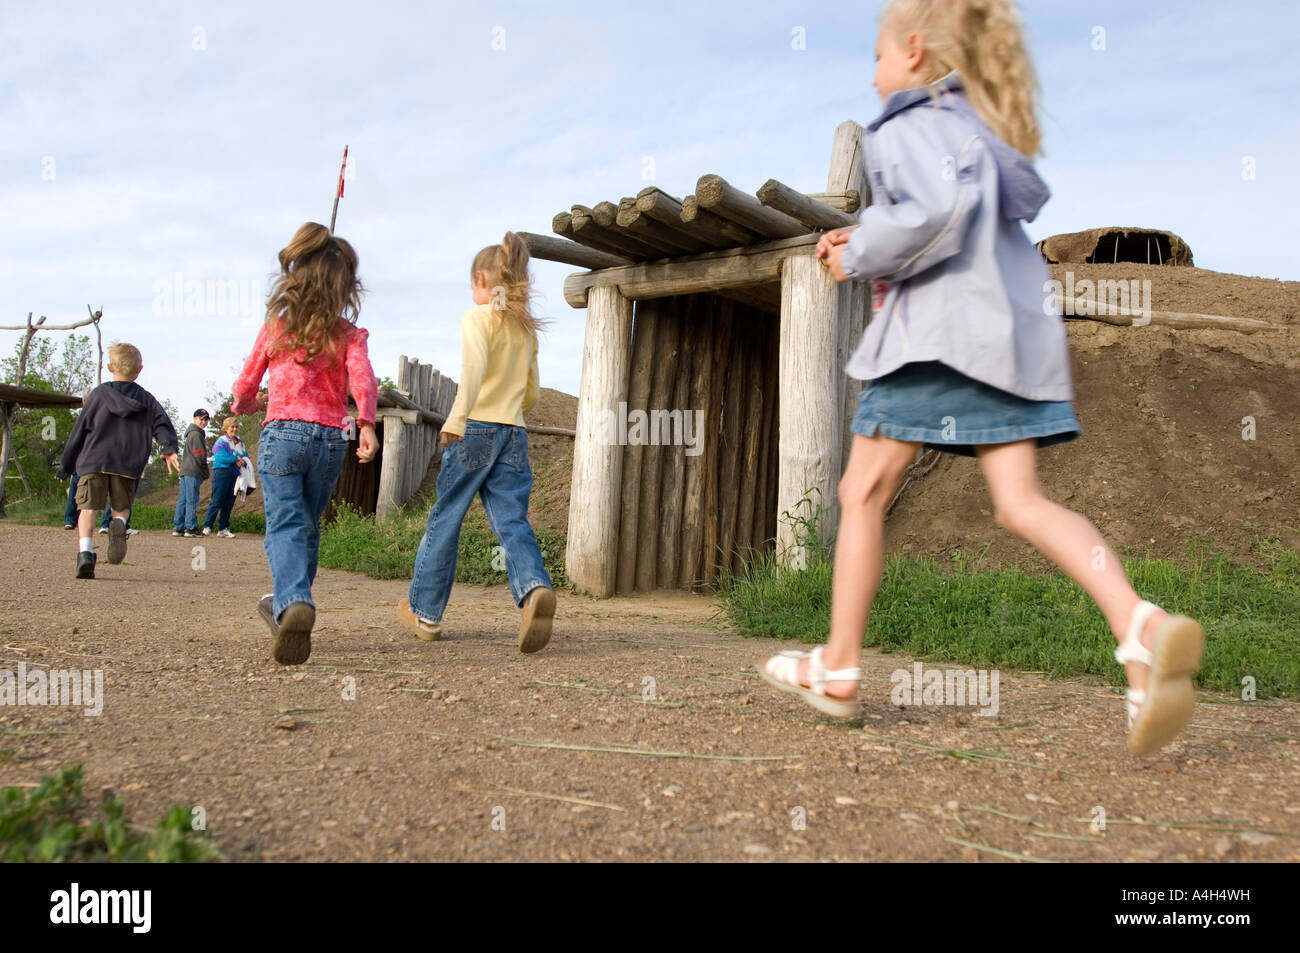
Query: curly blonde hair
x=316 y=293
x=983 y=42
x=506 y=269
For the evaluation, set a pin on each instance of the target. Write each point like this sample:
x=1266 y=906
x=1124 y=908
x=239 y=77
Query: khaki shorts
x=96 y=489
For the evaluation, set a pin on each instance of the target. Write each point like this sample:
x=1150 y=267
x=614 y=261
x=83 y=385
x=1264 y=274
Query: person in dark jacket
x=194 y=470
x=109 y=448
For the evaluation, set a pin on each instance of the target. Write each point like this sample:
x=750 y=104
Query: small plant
x=51 y=825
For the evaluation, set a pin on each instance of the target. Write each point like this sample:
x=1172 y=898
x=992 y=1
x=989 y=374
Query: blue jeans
x=298 y=464
x=186 y=516
x=70 y=512
x=223 y=496
x=492 y=461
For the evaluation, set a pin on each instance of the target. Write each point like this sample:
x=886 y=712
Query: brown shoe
x=116 y=540
x=539 y=613
x=425 y=631
x=293 y=634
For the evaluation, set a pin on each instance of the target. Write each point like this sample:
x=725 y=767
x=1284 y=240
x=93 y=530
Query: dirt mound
x=1166 y=455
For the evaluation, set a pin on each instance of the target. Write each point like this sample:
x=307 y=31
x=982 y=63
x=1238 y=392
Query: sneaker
x=207 y=530
x=133 y=532
x=116 y=541
x=177 y=532
x=266 y=609
x=192 y=534
x=85 y=565
x=226 y=534
x=424 y=630
x=293 y=634
x=103 y=530
x=539 y=613
x=69 y=525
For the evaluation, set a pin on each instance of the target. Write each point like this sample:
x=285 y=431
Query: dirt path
x=437 y=750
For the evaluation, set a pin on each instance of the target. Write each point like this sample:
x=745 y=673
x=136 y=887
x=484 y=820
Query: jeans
x=70 y=512
x=186 y=516
x=298 y=464
x=492 y=462
x=223 y=496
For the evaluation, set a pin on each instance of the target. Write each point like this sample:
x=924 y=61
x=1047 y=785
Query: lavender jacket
x=944 y=228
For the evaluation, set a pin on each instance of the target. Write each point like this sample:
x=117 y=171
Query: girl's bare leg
x=876 y=466
x=1064 y=537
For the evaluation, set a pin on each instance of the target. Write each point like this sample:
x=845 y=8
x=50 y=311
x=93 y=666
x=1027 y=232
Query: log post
x=810 y=399
x=638 y=398
x=391 y=466
x=591 y=559
x=695 y=414
x=667 y=340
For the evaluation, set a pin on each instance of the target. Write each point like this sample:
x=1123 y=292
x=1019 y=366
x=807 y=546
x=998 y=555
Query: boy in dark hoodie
x=109 y=448
x=194 y=470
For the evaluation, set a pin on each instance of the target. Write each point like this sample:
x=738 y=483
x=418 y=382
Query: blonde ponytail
x=506 y=268
x=982 y=40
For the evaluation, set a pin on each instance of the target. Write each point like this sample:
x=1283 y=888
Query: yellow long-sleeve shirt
x=498 y=374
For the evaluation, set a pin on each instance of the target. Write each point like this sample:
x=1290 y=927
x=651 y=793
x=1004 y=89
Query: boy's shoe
x=266 y=609
x=226 y=534
x=192 y=534
x=85 y=565
x=116 y=541
x=539 y=613
x=293 y=634
x=69 y=525
x=131 y=531
x=178 y=532
x=103 y=530
x=206 y=530
x=424 y=630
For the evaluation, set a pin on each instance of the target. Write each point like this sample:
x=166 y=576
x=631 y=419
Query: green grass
x=49 y=512
x=386 y=548
x=53 y=823
x=1044 y=622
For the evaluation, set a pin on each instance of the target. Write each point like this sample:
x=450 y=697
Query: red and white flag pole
x=338 y=194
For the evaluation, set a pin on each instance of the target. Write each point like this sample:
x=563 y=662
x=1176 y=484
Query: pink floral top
x=316 y=392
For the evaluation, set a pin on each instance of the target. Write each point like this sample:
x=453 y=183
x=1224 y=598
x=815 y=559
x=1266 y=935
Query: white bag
x=247 y=479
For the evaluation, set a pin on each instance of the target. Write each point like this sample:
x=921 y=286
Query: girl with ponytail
x=315 y=354
x=487 y=450
x=964 y=355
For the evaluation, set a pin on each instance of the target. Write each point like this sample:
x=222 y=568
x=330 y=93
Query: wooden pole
x=813 y=214
x=338 y=193
x=597 y=459
x=713 y=228
x=638 y=399
x=729 y=456
x=666 y=343
x=763 y=498
x=695 y=414
x=674 y=476
x=750 y=411
x=810 y=397
x=719 y=348
x=714 y=193
x=570 y=253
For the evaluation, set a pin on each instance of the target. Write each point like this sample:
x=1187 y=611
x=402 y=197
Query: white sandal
x=1157 y=714
x=782 y=671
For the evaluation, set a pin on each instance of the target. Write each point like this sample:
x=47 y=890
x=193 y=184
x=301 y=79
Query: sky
x=154 y=157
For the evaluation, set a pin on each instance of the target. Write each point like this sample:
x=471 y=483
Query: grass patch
x=385 y=548
x=52 y=824
x=1042 y=622
x=49 y=512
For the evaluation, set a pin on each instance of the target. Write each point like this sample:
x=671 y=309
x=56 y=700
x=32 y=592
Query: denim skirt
x=930 y=403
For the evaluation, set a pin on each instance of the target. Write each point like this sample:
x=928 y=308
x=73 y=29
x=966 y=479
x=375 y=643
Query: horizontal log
x=714 y=193
x=562 y=224
x=714 y=228
x=1187 y=320
x=570 y=253
x=667 y=211
x=714 y=271
x=643 y=226
x=810 y=212
x=586 y=228
x=847 y=201
x=426 y=416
